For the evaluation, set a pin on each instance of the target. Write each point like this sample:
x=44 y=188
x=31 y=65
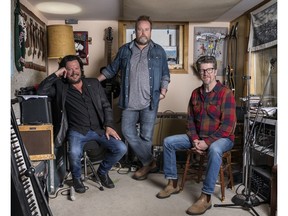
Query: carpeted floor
x=137 y=198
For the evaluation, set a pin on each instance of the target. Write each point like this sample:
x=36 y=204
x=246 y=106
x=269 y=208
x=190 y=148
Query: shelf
x=264 y=150
x=265 y=120
x=264 y=139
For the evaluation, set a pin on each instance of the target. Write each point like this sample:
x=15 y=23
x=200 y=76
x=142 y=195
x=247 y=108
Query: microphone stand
x=245 y=199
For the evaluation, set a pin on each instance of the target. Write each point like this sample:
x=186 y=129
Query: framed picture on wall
x=81 y=45
x=263 y=29
x=211 y=41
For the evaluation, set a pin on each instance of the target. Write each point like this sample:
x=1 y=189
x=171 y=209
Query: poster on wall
x=211 y=41
x=263 y=29
x=81 y=45
x=35 y=41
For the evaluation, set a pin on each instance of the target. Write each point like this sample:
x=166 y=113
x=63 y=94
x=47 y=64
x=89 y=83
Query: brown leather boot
x=171 y=188
x=142 y=173
x=201 y=205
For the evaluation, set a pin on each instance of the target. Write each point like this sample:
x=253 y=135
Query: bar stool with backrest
x=196 y=170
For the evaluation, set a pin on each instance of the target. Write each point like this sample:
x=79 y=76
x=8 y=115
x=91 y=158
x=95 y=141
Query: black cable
x=62 y=190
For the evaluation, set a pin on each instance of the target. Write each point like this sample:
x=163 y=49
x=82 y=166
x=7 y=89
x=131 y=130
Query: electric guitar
x=232 y=58
x=229 y=82
x=112 y=86
x=109 y=39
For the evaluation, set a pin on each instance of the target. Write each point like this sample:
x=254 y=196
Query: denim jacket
x=158 y=72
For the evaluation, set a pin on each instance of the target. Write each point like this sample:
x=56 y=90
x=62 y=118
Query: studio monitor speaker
x=38 y=140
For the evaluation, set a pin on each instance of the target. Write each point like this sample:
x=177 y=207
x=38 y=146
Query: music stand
x=245 y=199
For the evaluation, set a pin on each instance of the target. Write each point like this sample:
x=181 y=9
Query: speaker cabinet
x=38 y=140
x=35 y=110
x=168 y=124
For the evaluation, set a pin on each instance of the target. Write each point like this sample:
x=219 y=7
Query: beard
x=74 y=81
x=143 y=40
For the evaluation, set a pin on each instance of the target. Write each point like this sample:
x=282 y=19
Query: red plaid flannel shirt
x=212 y=117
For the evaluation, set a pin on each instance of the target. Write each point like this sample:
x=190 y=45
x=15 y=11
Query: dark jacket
x=56 y=89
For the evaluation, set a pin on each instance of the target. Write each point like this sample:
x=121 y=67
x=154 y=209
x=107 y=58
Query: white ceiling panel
x=180 y=10
x=158 y=10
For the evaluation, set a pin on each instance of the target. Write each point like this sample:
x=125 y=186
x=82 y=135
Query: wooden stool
x=225 y=166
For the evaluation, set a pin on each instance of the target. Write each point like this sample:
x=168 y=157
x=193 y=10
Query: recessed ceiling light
x=58 y=8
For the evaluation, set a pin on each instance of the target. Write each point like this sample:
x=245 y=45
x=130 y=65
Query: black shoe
x=106 y=181
x=78 y=186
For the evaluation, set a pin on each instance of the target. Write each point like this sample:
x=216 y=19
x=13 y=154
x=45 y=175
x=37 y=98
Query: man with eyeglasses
x=211 y=124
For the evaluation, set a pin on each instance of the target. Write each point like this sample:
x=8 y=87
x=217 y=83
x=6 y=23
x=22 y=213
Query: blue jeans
x=76 y=141
x=140 y=142
x=214 y=153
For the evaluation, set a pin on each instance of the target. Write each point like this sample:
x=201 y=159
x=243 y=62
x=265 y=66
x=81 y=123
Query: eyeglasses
x=208 y=71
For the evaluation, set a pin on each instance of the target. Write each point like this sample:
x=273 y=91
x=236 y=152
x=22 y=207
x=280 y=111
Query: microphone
x=72 y=193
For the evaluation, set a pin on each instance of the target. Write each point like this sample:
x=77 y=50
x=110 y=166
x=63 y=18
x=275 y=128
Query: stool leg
x=222 y=184
x=187 y=164
x=231 y=180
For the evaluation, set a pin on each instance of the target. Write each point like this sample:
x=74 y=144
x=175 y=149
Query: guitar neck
x=109 y=52
x=109 y=39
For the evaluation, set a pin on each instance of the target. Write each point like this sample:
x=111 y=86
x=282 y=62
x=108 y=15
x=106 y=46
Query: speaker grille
x=38 y=141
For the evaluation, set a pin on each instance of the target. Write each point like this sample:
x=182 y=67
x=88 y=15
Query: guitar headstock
x=109 y=36
x=231 y=31
x=234 y=31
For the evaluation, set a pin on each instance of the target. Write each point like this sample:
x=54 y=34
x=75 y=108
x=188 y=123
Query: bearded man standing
x=145 y=76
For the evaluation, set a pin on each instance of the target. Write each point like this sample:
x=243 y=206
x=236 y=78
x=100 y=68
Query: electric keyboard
x=27 y=196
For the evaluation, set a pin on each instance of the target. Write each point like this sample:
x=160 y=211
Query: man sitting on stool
x=211 y=122
x=81 y=113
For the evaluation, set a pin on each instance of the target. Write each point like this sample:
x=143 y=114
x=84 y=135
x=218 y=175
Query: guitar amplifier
x=168 y=124
x=35 y=109
x=38 y=141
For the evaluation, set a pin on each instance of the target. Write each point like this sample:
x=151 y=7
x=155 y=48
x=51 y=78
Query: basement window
x=173 y=37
